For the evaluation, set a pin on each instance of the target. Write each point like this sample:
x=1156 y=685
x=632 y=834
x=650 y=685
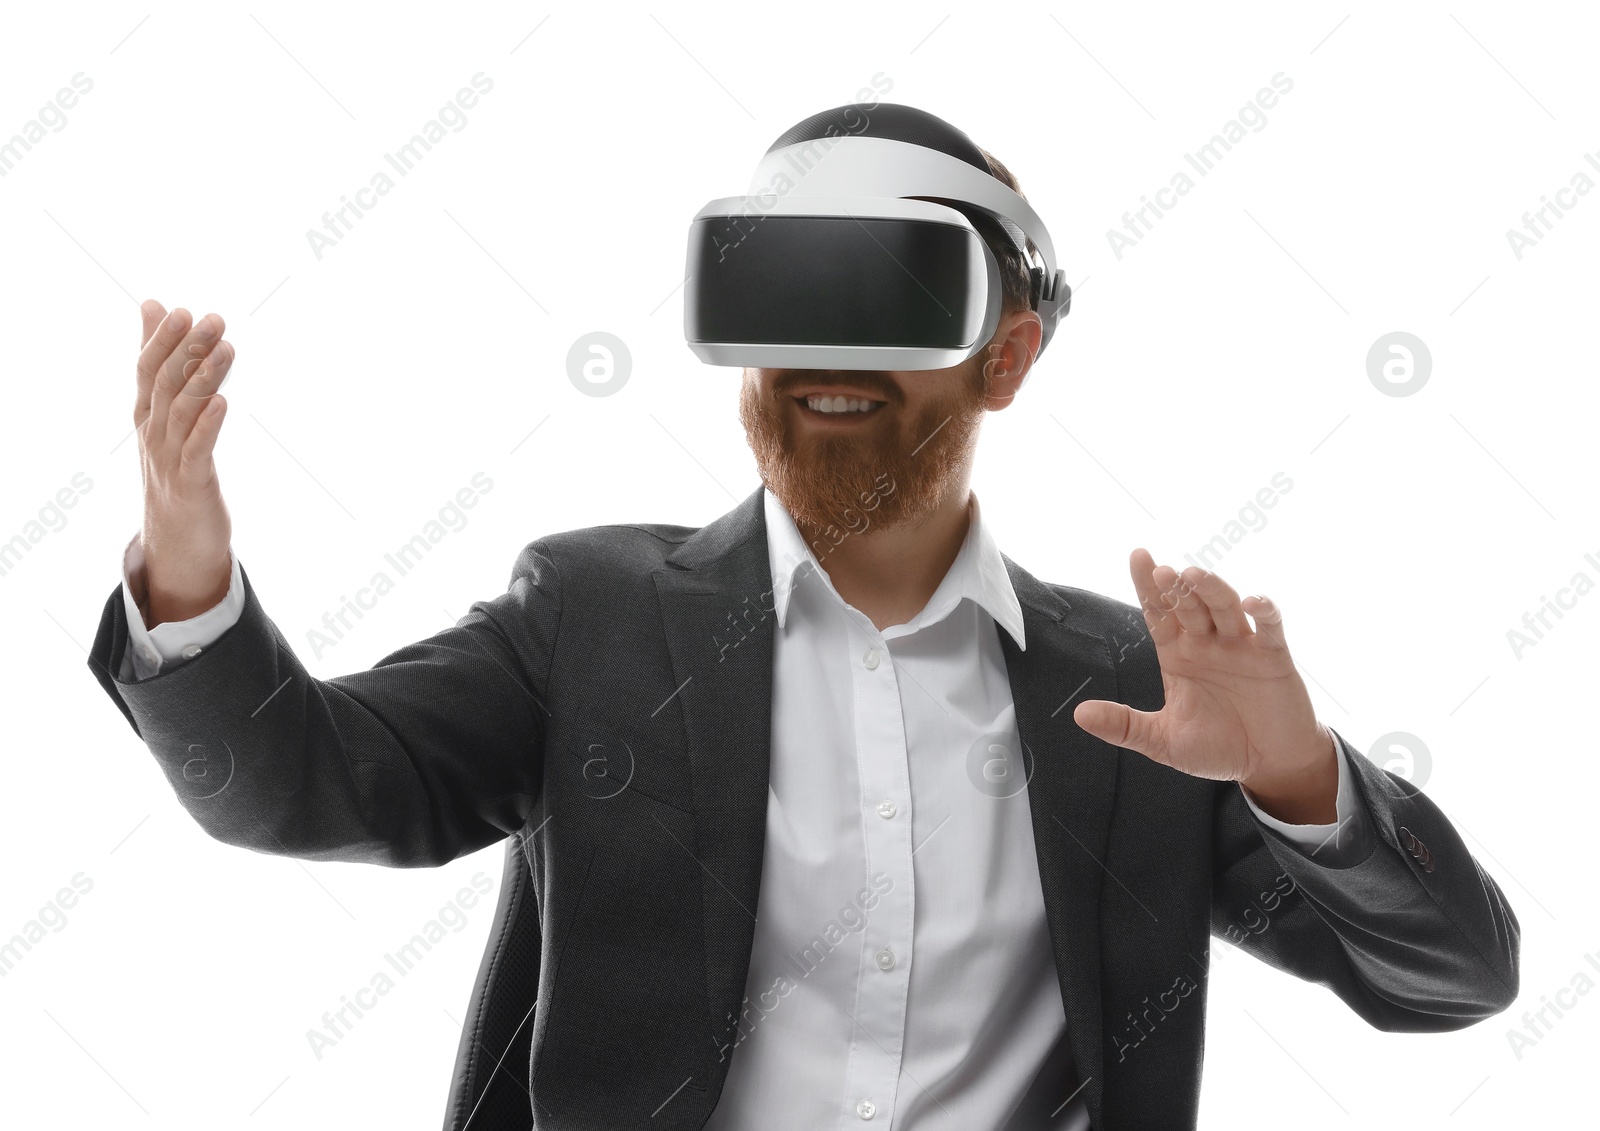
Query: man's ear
x=1009 y=356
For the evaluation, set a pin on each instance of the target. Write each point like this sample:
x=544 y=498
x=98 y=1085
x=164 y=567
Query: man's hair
x=906 y=123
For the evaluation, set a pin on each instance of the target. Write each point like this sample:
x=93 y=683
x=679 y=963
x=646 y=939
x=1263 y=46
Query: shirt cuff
x=172 y=642
x=1341 y=841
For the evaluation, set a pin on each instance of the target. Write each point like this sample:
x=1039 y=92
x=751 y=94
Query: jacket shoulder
x=1120 y=627
x=614 y=552
x=1099 y=614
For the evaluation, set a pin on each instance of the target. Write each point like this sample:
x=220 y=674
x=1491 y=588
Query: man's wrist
x=161 y=605
x=1308 y=796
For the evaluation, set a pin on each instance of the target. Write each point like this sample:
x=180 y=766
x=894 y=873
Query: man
x=803 y=834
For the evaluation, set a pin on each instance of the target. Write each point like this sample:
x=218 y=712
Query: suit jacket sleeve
x=1344 y=840
x=1409 y=947
x=433 y=753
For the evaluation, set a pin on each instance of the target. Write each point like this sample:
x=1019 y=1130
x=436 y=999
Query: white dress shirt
x=901 y=973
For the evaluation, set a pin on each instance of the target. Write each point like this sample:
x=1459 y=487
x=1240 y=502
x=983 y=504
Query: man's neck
x=890 y=574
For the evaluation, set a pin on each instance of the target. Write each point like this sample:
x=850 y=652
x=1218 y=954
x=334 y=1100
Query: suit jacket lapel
x=1070 y=795
x=716 y=605
x=717 y=608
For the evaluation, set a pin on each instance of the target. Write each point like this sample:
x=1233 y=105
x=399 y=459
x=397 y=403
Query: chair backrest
x=489 y=1085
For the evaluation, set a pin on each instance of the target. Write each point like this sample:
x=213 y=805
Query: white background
x=1228 y=345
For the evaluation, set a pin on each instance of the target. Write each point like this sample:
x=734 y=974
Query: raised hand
x=178 y=413
x=1236 y=708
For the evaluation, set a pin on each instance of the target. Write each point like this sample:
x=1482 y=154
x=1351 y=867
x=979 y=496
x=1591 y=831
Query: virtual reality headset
x=847 y=253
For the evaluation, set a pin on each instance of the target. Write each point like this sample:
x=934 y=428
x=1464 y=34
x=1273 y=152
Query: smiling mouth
x=839 y=407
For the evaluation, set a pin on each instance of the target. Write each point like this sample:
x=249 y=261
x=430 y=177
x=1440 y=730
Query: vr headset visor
x=848 y=254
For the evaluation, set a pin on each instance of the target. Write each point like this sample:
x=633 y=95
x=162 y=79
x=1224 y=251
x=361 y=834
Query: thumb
x=1120 y=725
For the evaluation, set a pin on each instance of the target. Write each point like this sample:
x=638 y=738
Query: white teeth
x=840 y=404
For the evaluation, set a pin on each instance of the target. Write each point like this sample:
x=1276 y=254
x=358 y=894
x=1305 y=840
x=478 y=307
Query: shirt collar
x=978 y=572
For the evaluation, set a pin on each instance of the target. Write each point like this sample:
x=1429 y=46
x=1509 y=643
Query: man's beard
x=875 y=475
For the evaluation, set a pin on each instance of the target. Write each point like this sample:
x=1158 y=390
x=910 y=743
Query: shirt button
x=866 y=1109
x=871 y=658
x=886 y=959
x=191 y=651
x=886 y=809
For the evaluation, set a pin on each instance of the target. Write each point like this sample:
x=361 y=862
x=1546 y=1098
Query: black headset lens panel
x=833 y=280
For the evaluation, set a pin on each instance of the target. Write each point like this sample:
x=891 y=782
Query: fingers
x=152 y=312
x=158 y=345
x=1221 y=602
x=1195 y=601
x=1191 y=611
x=173 y=374
x=1158 y=616
x=1170 y=603
x=195 y=458
x=191 y=402
x=1269 y=619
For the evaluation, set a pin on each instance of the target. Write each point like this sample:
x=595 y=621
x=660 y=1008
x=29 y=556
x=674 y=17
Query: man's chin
x=856 y=478
x=822 y=495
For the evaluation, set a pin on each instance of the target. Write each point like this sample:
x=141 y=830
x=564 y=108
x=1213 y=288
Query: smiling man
x=826 y=444
x=798 y=829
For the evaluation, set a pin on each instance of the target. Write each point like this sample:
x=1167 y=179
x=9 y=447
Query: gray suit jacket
x=610 y=714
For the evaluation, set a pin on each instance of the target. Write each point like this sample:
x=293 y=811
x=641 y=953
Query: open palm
x=1235 y=709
